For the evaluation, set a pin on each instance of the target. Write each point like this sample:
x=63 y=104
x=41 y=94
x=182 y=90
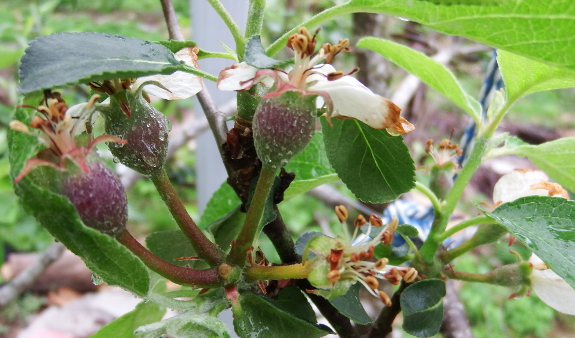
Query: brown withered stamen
x=381 y=263
x=387 y=237
x=384 y=298
x=359 y=221
x=410 y=275
x=371 y=282
x=375 y=220
x=341 y=213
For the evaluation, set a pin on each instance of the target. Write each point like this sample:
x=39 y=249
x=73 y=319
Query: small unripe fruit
x=99 y=197
x=283 y=126
x=146 y=132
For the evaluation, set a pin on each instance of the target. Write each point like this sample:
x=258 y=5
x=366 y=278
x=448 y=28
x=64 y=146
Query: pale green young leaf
x=521 y=27
x=524 y=76
x=124 y=326
x=431 y=72
x=311 y=168
x=185 y=325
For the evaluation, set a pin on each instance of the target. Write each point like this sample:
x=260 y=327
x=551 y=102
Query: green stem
x=319 y=18
x=196 y=71
x=255 y=17
x=295 y=271
x=456 y=228
x=468 y=276
x=176 y=274
x=429 y=194
x=203 y=246
x=205 y=54
x=253 y=218
x=232 y=26
x=430 y=246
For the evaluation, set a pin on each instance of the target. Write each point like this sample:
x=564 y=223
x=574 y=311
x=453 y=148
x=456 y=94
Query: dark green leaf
x=350 y=306
x=396 y=254
x=311 y=168
x=223 y=201
x=186 y=325
x=256 y=55
x=547 y=226
x=169 y=245
x=124 y=326
x=227 y=228
x=292 y=300
x=64 y=59
x=374 y=165
x=407 y=230
x=422 y=306
x=176 y=45
x=260 y=317
x=101 y=253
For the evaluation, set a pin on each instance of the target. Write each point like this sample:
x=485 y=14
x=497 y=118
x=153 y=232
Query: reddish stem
x=176 y=274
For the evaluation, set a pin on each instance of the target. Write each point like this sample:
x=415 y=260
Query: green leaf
x=397 y=255
x=169 y=245
x=186 y=325
x=547 y=226
x=102 y=254
x=227 y=228
x=262 y=319
x=124 y=326
x=311 y=168
x=292 y=300
x=431 y=72
x=521 y=27
x=223 y=201
x=422 y=306
x=556 y=158
x=407 y=230
x=256 y=55
x=523 y=76
x=176 y=45
x=69 y=58
x=350 y=306
x=374 y=165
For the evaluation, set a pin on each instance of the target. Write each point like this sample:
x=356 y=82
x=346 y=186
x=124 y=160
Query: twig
x=14 y=288
x=171 y=20
x=281 y=239
x=383 y=324
x=455 y=323
x=341 y=324
x=215 y=117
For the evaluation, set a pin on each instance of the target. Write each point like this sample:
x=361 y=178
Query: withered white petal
x=239 y=76
x=517 y=183
x=352 y=99
x=553 y=290
x=182 y=85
